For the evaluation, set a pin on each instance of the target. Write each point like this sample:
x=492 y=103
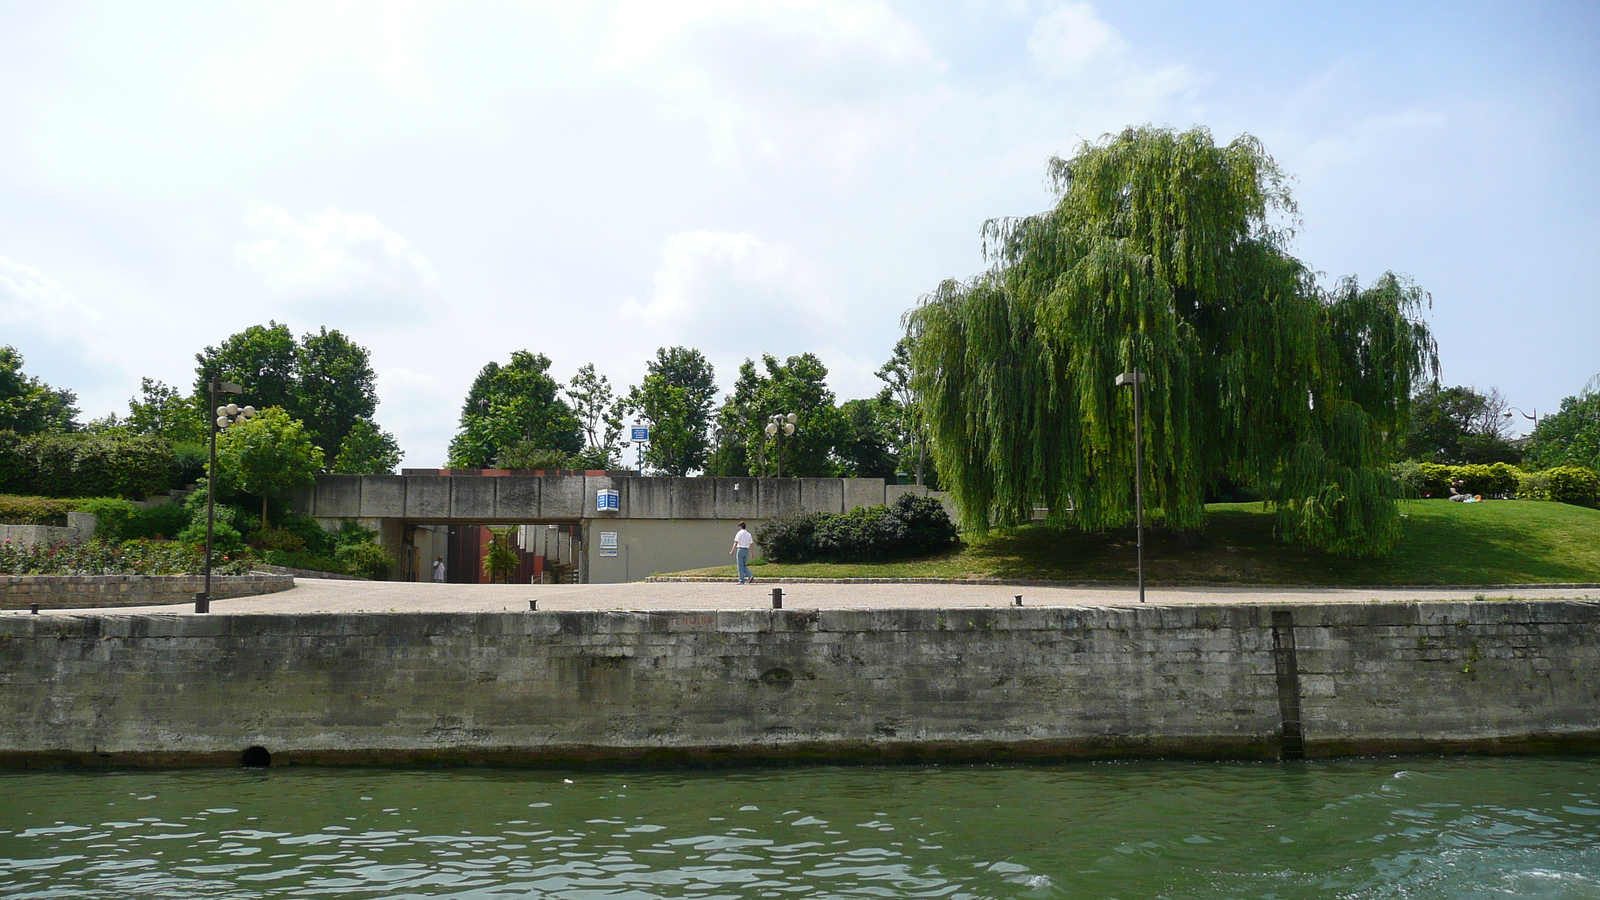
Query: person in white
x=741 y=552
x=438 y=570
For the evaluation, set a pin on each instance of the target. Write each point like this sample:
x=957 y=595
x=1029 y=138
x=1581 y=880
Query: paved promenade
x=317 y=596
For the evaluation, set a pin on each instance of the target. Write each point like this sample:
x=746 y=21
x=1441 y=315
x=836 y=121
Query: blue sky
x=450 y=182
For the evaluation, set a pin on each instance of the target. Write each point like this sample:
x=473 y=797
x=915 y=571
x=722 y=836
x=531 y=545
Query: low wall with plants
x=104 y=591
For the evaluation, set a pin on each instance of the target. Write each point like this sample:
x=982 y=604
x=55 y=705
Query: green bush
x=85 y=465
x=112 y=515
x=18 y=510
x=1573 y=484
x=162 y=521
x=188 y=464
x=910 y=527
x=365 y=559
x=1420 y=480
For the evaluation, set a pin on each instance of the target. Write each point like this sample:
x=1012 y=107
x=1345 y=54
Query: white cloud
x=29 y=297
x=1071 y=43
x=717 y=289
x=334 y=255
x=770 y=79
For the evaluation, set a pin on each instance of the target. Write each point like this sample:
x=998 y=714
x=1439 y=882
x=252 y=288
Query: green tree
x=675 y=399
x=1457 y=425
x=28 y=405
x=797 y=385
x=900 y=408
x=267 y=456
x=334 y=389
x=1571 y=435
x=510 y=404
x=162 y=410
x=867 y=450
x=1167 y=253
x=367 y=450
x=261 y=359
x=325 y=379
x=599 y=413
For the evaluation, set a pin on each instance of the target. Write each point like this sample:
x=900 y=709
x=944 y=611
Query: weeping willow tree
x=1168 y=253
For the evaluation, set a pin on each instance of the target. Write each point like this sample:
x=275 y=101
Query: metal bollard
x=202 y=603
x=1019 y=599
x=777 y=598
x=34 y=608
x=533 y=606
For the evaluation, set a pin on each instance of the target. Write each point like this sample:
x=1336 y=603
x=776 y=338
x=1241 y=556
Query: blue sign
x=640 y=434
x=607 y=501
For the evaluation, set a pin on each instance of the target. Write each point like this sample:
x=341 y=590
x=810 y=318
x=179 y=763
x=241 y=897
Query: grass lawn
x=1495 y=542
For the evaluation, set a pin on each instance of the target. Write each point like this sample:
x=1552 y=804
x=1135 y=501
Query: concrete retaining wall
x=98 y=591
x=869 y=684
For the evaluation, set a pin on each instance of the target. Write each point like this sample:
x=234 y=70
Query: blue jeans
x=743 y=556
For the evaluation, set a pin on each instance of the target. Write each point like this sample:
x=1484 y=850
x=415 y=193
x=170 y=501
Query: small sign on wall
x=607 y=500
x=608 y=540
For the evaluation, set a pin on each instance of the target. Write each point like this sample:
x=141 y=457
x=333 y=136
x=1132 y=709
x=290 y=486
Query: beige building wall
x=648 y=547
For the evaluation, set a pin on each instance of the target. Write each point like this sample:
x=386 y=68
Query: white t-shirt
x=743 y=539
x=438 y=570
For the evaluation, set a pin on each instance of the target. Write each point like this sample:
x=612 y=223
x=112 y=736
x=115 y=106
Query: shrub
x=911 y=526
x=276 y=537
x=188 y=464
x=112 y=516
x=15 y=510
x=86 y=465
x=365 y=559
x=1573 y=484
x=1419 y=479
x=789 y=538
x=164 y=520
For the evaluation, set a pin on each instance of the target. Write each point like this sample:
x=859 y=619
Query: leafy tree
x=675 y=398
x=267 y=456
x=335 y=388
x=1164 y=252
x=1457 y=425
x=28 y=405
x=262 y=360
x=325 y=379
x=797 y=385
x=162 y=410
x=367 y=450
x=500 y=558
x=529 y=455
x=902 y=410
x=867 y=450
x=510 y=404
x=599 y=412
x=1571 y=435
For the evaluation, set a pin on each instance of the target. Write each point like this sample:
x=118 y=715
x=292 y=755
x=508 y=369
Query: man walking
x=741 y=552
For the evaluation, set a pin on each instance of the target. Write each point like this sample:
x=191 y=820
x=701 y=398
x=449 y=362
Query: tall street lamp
x=781 y=424
x=226 y=415
x=1534 y=417
x=1137 y=378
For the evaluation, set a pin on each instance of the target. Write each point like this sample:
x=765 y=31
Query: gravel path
x=318 y=596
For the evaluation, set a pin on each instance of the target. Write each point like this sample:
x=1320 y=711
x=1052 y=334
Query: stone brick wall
x=100 y=591
x=890 y=684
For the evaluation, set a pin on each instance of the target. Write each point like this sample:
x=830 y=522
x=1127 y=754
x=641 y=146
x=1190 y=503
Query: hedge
x=1563 y=484
x=910 y=527
x=85 y=465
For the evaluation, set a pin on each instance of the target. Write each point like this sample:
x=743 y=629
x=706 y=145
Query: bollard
x=202 y=603
x=777 y=598
x=533 y=606
x=1019 y=599
x=34 y=608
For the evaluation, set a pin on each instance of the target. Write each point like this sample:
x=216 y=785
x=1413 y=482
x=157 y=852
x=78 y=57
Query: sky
x=449 y=182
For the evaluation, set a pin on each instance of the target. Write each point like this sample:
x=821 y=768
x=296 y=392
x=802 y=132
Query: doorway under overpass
x=548 y=551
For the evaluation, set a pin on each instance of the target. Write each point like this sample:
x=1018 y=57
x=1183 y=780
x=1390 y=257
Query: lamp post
x=226 y=415
x=781 y=424
x=1534 y=417
x=1137 y=378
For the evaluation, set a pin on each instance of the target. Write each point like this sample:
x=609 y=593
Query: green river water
x=1361 y=828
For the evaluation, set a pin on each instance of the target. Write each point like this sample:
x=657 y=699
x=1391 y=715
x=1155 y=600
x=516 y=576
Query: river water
x=1362 y=828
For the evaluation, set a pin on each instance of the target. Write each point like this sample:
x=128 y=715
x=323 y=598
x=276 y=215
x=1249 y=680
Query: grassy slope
x=1496 y=542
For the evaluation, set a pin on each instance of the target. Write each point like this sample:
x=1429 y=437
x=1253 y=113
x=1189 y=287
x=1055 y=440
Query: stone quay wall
x=1241 y=681
x=104 y=591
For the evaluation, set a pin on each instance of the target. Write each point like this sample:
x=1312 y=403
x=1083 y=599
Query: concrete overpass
x=608 y=527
